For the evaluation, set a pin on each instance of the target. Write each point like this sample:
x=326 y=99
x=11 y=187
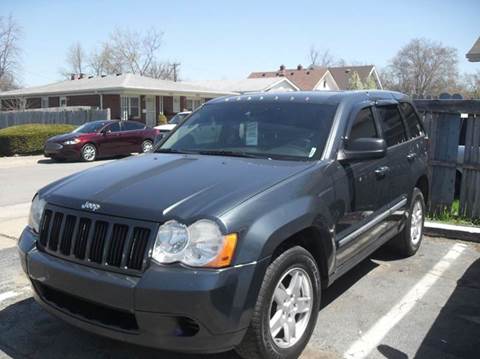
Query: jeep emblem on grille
x=91 y=206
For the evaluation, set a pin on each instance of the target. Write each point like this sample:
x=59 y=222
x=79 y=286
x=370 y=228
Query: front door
x=360 y=188
x=151 y=111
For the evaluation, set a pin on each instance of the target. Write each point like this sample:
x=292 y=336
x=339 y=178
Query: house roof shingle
x=304 y=78
x=119 y=82
x=474 y=54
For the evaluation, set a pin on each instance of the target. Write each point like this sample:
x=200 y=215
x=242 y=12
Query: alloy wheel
x=416 y=223
x=147 y=146
x=291 y=307
x=89 y=152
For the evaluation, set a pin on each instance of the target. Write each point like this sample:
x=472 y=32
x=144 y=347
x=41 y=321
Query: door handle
x=411 y=156
x=382 y=171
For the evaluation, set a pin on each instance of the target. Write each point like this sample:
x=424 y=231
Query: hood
x=64 y=137
x=158 y=187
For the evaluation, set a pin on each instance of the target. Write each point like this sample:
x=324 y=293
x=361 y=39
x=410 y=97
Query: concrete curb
x=466 y=233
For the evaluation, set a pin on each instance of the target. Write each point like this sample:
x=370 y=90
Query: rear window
x=412 y=120
x=392 y=125
x=130 y=126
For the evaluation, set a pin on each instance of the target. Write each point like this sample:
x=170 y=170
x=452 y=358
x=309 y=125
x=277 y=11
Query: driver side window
x=363 y=126
x=114 y=127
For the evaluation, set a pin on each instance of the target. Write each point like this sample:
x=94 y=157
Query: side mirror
x=363 y=149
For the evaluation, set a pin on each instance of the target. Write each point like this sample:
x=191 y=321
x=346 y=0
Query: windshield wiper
x=231 y=153
x=171 y=150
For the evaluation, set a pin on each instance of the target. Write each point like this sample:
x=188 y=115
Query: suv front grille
x=95 y=239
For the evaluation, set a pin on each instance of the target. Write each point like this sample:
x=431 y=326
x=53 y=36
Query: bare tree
x=163 y=70
x=135 y=51
x=76 y=61
x=320 y=58
x=102 y=62
x=125 y=51
x=422 y=67
x=10 y=33
x=471 y=85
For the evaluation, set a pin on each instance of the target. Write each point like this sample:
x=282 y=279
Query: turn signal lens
x=224 y=258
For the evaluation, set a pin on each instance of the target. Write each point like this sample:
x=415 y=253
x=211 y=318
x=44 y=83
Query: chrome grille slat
x=96 y=240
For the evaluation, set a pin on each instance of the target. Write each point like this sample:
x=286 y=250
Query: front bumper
x=168 y=307
x=53 y=149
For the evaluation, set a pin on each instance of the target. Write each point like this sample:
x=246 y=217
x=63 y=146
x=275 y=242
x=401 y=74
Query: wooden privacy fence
x=73 y=116
x=451 y=124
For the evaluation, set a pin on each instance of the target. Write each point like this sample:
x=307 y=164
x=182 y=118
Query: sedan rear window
x=279 y=130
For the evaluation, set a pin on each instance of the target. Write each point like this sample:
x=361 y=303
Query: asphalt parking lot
x=426 y=306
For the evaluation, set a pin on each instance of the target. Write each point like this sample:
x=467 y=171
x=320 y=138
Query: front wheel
x=89 y=153
x=147 y=146
x=286 y=310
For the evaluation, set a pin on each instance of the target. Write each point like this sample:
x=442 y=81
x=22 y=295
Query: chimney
x=281 y=72
x=299 y=67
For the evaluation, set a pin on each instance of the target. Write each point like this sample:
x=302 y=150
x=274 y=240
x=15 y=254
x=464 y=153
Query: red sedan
x=101 y=139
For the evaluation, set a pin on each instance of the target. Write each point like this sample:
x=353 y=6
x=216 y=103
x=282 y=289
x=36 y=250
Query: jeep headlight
x=198 y=245
x=36 y=211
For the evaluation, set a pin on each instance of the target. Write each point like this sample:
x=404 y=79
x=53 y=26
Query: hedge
x=28 y=139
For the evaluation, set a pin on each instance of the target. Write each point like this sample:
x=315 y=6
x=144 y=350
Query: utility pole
x=175 y=65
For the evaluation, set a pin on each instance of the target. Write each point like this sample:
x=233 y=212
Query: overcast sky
x=229 y=39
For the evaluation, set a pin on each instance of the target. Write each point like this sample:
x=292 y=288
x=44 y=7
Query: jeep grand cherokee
x=224 y=237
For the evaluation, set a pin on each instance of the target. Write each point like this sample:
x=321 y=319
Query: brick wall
x=113 y=103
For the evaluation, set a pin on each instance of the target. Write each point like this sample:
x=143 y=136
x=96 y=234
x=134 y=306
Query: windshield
x=90 y=127
x=277 y=130
x=178 y=118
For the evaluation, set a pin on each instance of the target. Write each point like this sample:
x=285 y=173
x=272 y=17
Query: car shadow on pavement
x=26 y=330
x=456 y=331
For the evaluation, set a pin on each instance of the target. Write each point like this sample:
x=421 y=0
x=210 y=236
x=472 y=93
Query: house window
x=63 y=101
x=130 y=107
x=44 y=103
x=192 y=104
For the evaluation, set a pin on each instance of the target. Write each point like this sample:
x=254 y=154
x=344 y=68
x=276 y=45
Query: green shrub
x=28 y=139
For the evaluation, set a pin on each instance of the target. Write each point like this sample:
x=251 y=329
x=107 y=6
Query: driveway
x=426 y=306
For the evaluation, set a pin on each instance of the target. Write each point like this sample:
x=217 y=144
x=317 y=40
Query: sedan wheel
x=147 y=146
x=89 y=152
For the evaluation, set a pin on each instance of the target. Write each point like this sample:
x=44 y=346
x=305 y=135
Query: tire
x=147 y=146
x=88 y=152
x=259 y=340
x=408 y=241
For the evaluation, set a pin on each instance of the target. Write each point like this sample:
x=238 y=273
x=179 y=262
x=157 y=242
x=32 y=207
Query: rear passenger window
x=363 y=126
x=130 y=126
x=392 y=125
x=413 y=122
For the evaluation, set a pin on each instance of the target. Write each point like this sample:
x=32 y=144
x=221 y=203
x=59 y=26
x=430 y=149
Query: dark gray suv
x=225 y=236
